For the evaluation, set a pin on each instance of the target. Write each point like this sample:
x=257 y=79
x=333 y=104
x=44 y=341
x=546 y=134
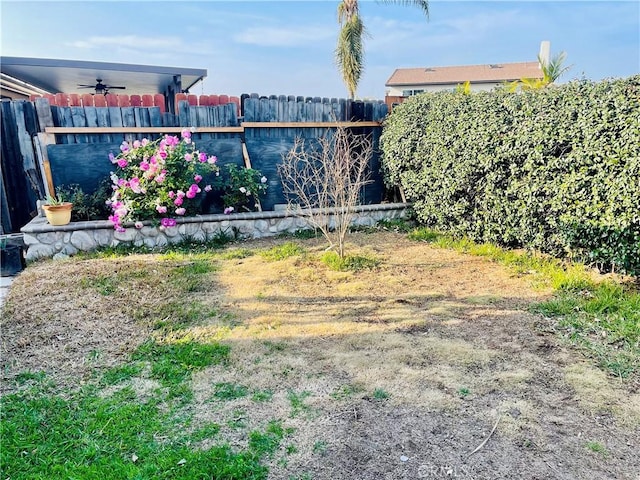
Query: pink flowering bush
x=158 y=180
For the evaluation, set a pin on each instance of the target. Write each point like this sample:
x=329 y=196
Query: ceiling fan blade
x=86 y=86
x=109 y=87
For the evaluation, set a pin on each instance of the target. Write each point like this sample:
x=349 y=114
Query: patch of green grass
x=380 y=394
x=280 y=252
x=121 y=250
x=236 y=254
x=303 y=234
x=229 y=391
x=172 y=363
x=602 y=318
x=463 y=392
x=353 y=263
x=26 y=377
x=320 y=447
x=297 y=402
x=346 y=391
x=176 y=314
x=190 y=275
x=267 y=442
x=204 y=432
x=597 y=447
x=81 y=434
x=291 y=449
x=121 y=373
x=398 y=225
x=104 y=284
x=262 y=396
x=302 y=476
x=424 y=235
x=185 y=247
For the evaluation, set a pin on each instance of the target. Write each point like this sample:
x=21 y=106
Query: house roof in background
x=63 y=76
x=460 y=74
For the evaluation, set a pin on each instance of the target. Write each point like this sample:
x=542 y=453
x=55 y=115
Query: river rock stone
x=30 y=239
x=39 y=251
x=128 y=235
x=83 y=241
x=103 y=237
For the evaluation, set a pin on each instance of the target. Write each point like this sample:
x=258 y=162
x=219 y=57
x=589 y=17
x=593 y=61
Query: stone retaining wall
x=43 y=240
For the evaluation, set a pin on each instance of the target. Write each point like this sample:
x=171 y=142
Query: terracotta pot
x=58 y=214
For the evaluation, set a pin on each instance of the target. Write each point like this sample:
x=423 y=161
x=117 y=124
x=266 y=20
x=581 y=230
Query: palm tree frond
x=350 y=53
x=421 y=4
x=553 y=69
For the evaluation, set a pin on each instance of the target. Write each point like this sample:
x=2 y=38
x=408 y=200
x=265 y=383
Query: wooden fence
x=72 y=143
x=22 y=183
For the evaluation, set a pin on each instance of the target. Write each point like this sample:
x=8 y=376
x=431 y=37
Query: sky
x=287 y=47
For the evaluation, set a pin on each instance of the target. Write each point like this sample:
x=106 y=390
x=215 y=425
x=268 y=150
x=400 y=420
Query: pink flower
x=134 y=183
x=124 y=147
x=112 y=158
x=186 y=134
x=122 y=163
x=228 y=210
x=191 y=193
x=161 y=209
x=136 y=144
x=180 y=194
x=202 y=157
x=145 y=142
x=213 y=159
x=181 y=211
x=207 y=188
x=188 y=157
x=144 y=165
x=171 y=140
x=197 y=178
x=160 y=178
x=178 y=201
x=162 y=154
x=138 y=225
x=168 y=222
x=172 y=194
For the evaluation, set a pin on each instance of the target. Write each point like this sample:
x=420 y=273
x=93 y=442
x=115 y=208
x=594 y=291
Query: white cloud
x=436 y=34
x=283 y=37
x=128 y=41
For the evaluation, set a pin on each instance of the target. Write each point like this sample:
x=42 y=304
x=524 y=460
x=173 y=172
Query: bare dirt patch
x=396 y=372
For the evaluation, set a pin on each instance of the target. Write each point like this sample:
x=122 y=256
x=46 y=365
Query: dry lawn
x=396 y=372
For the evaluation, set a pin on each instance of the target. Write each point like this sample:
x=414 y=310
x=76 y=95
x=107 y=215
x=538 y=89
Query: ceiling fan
x=101 y=88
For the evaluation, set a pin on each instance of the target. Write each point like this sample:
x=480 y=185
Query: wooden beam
x=107 y=130
x=43 y=140
x=309 y=124
x=247 y=164
x=90 y=130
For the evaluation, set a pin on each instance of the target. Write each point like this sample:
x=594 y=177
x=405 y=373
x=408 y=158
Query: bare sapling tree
x=323 y=182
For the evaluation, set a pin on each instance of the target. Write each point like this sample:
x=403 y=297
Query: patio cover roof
x=63 y=76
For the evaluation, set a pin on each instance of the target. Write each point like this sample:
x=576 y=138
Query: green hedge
x=556 y=169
